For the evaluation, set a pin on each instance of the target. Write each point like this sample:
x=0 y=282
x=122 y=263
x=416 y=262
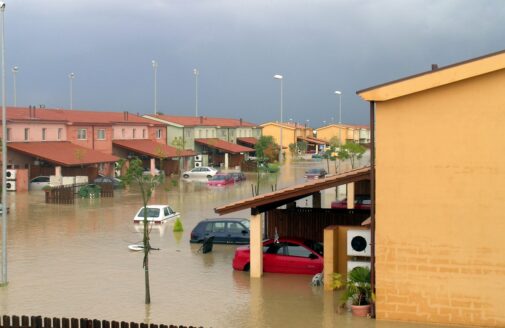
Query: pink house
x=38 y=137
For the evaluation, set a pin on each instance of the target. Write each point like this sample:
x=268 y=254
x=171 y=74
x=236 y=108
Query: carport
x=153 y=150
x=269 y=203
x=223 y=152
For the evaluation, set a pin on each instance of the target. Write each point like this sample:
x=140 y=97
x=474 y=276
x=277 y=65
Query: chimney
x=125 y=115
x=240 y=122
x=201 y=119
x=434 y=67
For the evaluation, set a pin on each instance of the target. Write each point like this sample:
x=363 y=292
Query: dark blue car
x=224 y=231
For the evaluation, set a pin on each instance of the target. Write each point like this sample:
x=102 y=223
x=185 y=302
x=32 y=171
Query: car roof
x=155 y=206
x=224 y=219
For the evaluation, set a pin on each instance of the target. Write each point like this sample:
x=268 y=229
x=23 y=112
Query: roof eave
x=435 y=78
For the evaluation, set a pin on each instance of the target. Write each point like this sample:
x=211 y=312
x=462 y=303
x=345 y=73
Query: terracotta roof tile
x=152 y=148
x=204 y=121
x=224 y=145
x=248 y=140
x=295 y=192
x=62 y=153
x=76 y=116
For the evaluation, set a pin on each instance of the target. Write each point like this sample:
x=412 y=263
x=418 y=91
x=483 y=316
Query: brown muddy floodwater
x=73 y=261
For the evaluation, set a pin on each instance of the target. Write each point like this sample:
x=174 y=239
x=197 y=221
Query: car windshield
x=219 y=177
x=315 y=246
x=151 y=213
x=245 y=223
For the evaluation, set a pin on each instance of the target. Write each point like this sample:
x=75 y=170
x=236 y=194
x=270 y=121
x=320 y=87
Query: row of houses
x=70 y=142
x=316 y=139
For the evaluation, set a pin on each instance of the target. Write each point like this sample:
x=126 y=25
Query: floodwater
x=73 y=261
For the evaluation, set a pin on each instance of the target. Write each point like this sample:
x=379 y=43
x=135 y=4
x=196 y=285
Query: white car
x=156 y=214
x=200 y=172
x=39 y=183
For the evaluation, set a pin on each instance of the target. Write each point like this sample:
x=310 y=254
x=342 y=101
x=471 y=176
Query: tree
x=266 y=149
x=351 y=151
x=179 y=145
x=146 y=184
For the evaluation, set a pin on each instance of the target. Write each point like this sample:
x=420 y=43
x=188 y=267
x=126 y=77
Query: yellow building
x=344 y=133
x=440 y=196
x=290 y=132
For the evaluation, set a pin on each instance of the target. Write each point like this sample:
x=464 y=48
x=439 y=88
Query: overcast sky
x=319 y=46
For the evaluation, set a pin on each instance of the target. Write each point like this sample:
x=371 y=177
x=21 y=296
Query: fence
x=309 y=223
x=66 y=194
x=39 y=322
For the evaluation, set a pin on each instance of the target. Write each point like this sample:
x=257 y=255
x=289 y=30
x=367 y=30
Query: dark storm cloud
x=319 y=47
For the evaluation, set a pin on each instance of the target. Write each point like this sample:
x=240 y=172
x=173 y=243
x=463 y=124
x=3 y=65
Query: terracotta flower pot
x=360 y=310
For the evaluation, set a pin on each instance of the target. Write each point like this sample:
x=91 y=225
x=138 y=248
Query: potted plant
x=358 y=291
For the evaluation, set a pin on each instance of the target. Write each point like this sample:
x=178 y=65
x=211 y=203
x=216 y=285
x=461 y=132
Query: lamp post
x=155 y=71
x=339 y=116
x=71 y=77
x=196 y=72
x=280 y=78
x=15 y=70
x=3 y=281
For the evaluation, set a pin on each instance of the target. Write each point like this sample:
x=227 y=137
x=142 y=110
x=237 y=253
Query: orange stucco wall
x=440 y=212
x=288 y=135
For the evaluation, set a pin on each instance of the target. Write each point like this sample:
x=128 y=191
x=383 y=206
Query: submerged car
x=361 y=202
x=315 y=173
x=238 y=176
x=200 y=172
x=286 y=255
x=116 y=183
x=224 y=231
x=39 y=183
x=221 y=180
x=156 y=214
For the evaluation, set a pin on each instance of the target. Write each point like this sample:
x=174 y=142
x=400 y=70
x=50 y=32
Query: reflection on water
x=73 y=261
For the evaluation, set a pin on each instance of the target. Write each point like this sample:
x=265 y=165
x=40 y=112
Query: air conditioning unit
x=198 y=158
x=353 y=264
x=359 y=243
x=10 y=174
x=10 y=185
x=198 y=164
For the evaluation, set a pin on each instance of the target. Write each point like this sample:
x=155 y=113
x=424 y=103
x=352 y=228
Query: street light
x=15 y=69
x=339 y=116
x=3 y=281
x=339 y=106
x=280 y=78
x=71 y=77
x=155 y=71
x=196 y=72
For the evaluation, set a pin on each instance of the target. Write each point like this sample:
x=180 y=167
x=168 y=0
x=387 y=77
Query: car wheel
x=209 y=176
x=185 y=176
x=246 y=267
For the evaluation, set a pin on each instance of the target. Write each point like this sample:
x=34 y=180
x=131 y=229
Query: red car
x=221 y=180
x=287 y=255
x=361 y=202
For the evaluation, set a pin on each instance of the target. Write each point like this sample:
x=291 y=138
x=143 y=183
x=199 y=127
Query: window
x=27 y=134
x=215 y=227
x=188 y=133
x=101 y=134
x=206 y=133
x=133 y=133
x=213 y=133
x=43 y=133
x=82 y=134
x=60 y=131
x=165 y=211
x=223 y=133
x=235 y=227
x=8 y=134
x=297 y=250
x=123 y=133
x=158 y=134
x=143 y=133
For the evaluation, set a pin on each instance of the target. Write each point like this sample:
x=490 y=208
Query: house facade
x=290 y=132
x=439 y=221
x=344 y=133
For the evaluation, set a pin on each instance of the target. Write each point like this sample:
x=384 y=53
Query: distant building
x=223 y=141
x=291 y=133
x=439 y=209
x=344 y=133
